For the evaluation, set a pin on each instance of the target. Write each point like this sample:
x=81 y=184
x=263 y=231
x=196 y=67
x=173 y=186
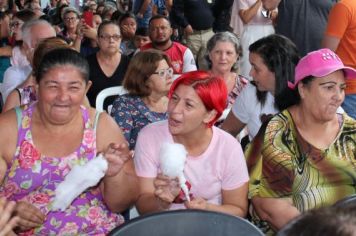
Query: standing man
x=160 y=32
x=303 y=21
x=340 y=36
x=196 y=17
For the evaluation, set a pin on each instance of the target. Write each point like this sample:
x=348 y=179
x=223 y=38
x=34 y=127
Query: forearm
x=277 y=212
x=120 y=191
x=247 y=14
x=228 y=209
x=144 y=6
x=6 y=51
x=149 y=203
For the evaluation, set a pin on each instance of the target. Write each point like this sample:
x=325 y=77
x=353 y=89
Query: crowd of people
x=286 y=81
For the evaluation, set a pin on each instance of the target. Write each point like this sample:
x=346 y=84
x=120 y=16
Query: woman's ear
x=301 y=89
x=210 y=116
x=89 y=84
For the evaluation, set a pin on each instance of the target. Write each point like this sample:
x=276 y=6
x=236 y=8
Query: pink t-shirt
x=221 y=167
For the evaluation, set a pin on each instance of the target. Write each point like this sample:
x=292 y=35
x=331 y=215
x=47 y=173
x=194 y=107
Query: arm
x=169 y=4
x=276 y=211
x=119 y=185
x=177 y=13
x=234 y=202
x=246 y=15
x=144 y=6
x=13 y=100
x=156 y=194
x=232 y=124
x=6 y=51
x=28 y=215
x=338 y=23
x=330 y=42
x=188 y=61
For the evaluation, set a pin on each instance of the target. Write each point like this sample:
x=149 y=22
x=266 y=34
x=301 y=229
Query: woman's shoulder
x=127 y=100
x=349 y=123
x=156 y=129
x=225 y=142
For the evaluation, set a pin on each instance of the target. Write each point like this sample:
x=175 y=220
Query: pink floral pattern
x=28 y=155
x=33 y=177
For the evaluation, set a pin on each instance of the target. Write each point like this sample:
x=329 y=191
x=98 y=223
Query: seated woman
x=308 y=151
x=147 y=81
x=42 y=142
x=273 y=59
x=215 y=166
x=224 y=50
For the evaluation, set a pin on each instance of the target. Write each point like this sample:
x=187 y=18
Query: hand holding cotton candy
x=78 y=180
x=172 y=161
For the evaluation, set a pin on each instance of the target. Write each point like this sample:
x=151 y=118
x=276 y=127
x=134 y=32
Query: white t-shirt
x=221 y=166
x=13 y=77
x=249 y=110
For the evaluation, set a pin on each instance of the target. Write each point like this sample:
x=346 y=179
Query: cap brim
x=350 y=73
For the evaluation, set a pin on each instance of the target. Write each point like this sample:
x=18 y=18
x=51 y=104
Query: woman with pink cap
x=305 y=157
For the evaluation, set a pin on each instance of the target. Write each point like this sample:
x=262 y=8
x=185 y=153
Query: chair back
x=346 y=202
x=187 y=223
x=112 y=91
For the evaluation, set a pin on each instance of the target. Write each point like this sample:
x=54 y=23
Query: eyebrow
x=328 y=82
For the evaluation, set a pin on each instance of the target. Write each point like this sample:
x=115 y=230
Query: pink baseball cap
x=318 y=64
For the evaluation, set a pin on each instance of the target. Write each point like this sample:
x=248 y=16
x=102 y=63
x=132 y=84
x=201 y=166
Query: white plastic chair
x=112 y=91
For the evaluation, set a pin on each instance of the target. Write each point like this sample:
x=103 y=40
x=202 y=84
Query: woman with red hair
x=215 y=167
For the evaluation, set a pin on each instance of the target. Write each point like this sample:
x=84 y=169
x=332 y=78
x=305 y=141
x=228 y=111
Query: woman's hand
x=166 y=189
x=7 y=222
x=116 y=155
x=197 y=203
x=88 y=31
x=30 y=216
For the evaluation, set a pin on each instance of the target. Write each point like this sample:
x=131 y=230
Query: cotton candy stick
x=78 y=180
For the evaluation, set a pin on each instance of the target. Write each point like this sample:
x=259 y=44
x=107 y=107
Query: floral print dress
x=33 y=177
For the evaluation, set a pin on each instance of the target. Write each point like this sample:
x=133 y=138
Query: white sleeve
x=13 y=77
x=188 y=61
x=243 y=105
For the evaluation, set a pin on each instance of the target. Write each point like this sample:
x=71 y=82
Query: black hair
x=125 y=16
x=323 y=222
x=280 y=55
x=105 y=23
x=142 y=31
x=61 y=57
x=159 y=17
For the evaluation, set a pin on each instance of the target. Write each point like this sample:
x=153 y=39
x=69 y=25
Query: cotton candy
x=78 y=180
x=172 y=160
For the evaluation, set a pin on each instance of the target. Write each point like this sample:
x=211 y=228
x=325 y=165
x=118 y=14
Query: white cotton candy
x=78 y=180
x=172 y=160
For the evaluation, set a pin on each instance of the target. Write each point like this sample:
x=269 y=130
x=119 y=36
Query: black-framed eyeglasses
x=15 y=24
x=163 y=73
x=107 y=38
x=70 y=18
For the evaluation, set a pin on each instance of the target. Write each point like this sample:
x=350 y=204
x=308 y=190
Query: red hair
x=211 y=90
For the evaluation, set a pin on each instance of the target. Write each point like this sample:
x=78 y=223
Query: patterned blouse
x=132 y=114
x=284 y=165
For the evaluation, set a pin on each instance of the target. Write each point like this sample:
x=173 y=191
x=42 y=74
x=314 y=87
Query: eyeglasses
x=70 y=18
x=107 y=38
x=163 y=73
x=15 y=24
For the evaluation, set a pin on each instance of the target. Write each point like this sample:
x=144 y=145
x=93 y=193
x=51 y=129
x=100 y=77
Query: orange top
x=342 y=25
